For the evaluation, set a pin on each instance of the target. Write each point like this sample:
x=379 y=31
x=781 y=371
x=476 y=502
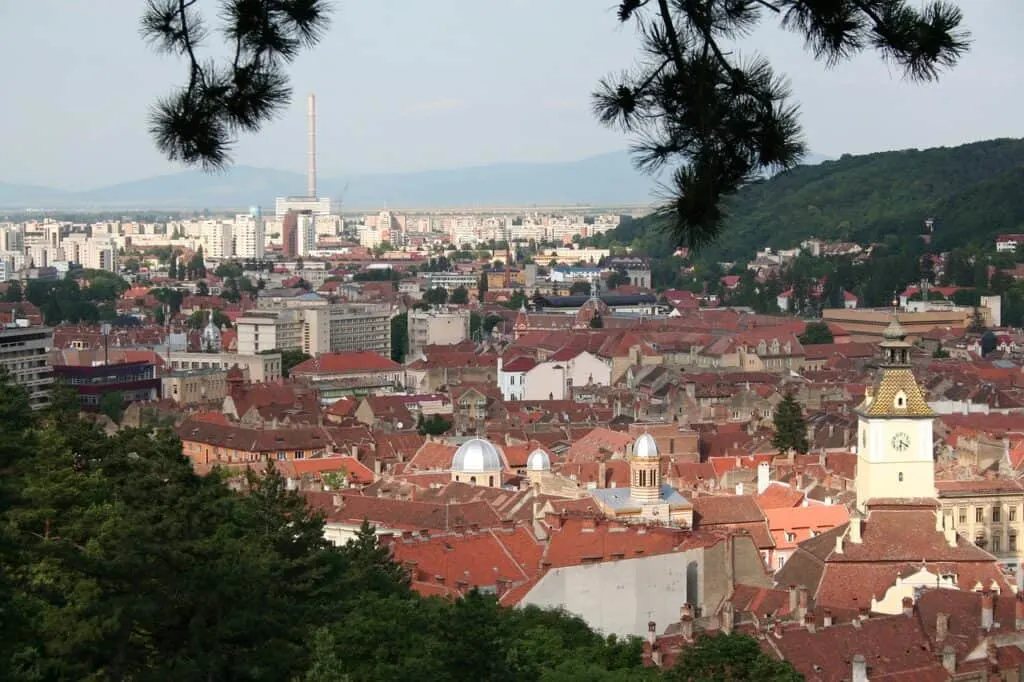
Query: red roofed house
x=339 y=374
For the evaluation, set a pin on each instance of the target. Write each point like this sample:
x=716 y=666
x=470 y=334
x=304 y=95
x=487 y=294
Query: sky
x=406 y=85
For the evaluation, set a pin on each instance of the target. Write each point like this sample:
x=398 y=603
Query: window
x=963 y=516
x=979 y=514
x=299 y=454
x=790 y=537
x=780 y=561
x=281 y=454
x=996 y=542
x=996 y=514
x=1011 y=543
x=901 y=477
x=1013 y=513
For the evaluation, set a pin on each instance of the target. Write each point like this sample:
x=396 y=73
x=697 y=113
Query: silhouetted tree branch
x=720 y=121
x=197 y=124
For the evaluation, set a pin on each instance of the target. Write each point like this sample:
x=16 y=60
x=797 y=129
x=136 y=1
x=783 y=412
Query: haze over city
x=406 y=86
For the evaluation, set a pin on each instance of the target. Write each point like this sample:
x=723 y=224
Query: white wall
x=621 y=597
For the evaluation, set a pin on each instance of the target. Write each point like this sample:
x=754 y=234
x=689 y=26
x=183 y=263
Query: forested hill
x=973 y=192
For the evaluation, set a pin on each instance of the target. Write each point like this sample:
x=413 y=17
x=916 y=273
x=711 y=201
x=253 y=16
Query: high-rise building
x=438 y=326
x=250 y=234
x=290 y=234
x=218 y=239
x=319 y=329
x=306 y=234
x=23 y=353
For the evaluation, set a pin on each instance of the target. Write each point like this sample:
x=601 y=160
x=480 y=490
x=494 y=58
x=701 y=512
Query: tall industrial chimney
x=311 y=170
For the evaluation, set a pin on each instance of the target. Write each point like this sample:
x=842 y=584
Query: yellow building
x=894 y=456
x=496 y=278
x=989 y=513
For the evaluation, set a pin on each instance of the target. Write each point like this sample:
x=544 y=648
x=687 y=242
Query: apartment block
x=317 y=329
x=23 y=353
x=442 y=326
x=989 y=513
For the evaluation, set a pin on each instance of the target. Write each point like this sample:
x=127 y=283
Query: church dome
x=538 y=461
x=645 y=447
x=476 y=456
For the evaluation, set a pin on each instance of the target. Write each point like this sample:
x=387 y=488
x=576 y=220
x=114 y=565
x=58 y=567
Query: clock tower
x=894 y=449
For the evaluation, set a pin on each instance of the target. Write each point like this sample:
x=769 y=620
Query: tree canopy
x=790 y=427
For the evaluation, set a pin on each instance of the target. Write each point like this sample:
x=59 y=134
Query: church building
x=897 y=542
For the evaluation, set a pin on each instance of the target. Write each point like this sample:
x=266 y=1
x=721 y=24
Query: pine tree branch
x=195 y=71
x=673 y=37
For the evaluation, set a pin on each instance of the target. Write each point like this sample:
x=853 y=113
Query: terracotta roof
x=779 y=496
x=411 y=515
x=350 y=362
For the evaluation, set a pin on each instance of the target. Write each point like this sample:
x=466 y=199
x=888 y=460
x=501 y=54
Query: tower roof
x=895 y=393
x=476 y=456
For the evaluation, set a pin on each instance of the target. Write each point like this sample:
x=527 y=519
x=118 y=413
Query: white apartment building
x=451 y=280
x=250 y=235
x=218 y=239
x=306 y=234
x=442 y=326
x=317 y=329
x=100 y=254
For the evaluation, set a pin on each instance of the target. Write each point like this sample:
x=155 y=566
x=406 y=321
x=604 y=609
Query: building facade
x=23 y=353
x=437 y=327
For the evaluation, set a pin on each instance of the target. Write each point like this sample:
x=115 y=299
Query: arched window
x=901 y=477
x=472 y=480
x=490 y=480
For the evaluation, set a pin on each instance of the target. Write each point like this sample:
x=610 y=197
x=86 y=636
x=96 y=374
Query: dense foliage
x=790 y=427
x=118 y=562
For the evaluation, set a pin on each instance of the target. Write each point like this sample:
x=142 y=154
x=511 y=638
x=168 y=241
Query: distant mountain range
x=607 y=179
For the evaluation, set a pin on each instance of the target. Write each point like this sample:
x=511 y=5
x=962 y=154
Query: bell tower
x=894 y=451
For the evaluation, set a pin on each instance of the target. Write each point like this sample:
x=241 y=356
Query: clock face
x=900 y=442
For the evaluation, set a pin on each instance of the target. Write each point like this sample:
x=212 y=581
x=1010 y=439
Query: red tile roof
x=356 y=361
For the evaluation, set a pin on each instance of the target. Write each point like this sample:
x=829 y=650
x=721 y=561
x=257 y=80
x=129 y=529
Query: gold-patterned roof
x=894 y=381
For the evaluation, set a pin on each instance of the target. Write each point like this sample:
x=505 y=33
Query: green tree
x=290 y=359
x=816 y=332
x=435 y=296
x=460 y=296
x=580 y=288
x=729 y=658
x=202 y=289
x=200 y=318
x=13 y=294
x=434 y=425
x=112 y=405
x=399 y=337
x=228 y=269
x=617 y=278
x=790 y=427
x=722 y=122
x=517 y=300
x=172 y=269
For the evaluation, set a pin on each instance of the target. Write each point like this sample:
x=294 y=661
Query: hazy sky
x=412 y=85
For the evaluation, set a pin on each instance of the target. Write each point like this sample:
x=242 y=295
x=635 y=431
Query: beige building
x=440 y=326
x=195 y=386
x=23 y=353
x=867 y=324
x=260 y=368
x=317 y=329
x=988 y=513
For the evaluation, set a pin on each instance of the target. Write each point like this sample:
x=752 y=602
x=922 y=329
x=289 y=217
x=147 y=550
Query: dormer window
x=901 y=401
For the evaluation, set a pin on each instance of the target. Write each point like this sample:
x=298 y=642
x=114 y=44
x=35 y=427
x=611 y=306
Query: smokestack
x=311 y=170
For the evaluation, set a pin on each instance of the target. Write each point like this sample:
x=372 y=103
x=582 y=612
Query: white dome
x=538 y=461
x=476 y=456
x=645 y=447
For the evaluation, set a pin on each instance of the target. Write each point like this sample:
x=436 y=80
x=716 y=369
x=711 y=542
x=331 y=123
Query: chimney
x=827 y=619
x=941 y=626
x=938 y=521
x=839 y=544
x=602 y=474
x=949 y=659
x=855 y=537
x=793 y=599
x=311 y=169
x=908 y=606
x=685 y=611
x=1018 y=606
x=986 y=610
x=763 y=476
x=739 y=488
x=802 y=602
x=809 y=622
x=950 y=534
x=863 y=613
x=860 y=668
